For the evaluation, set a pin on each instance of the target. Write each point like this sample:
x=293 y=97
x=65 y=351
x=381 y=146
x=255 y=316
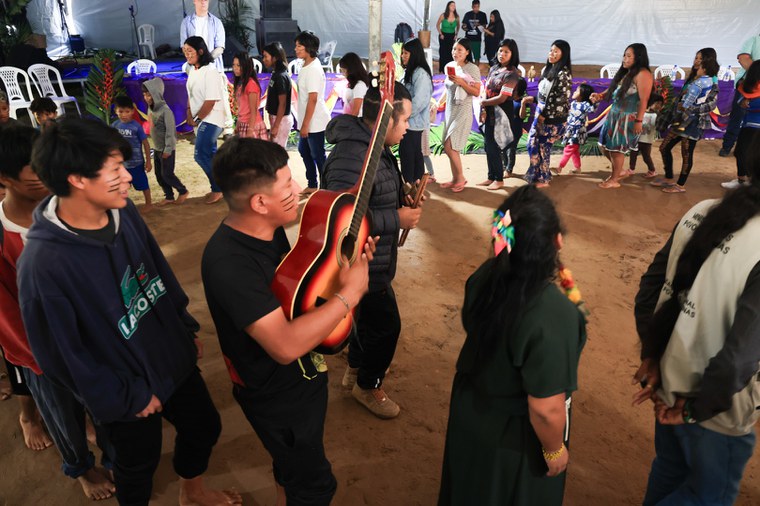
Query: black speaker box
x=273 y=30
x=276 y=9
x=232 y=46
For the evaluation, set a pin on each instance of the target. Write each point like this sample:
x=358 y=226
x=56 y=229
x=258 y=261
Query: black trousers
x=137 y=444
x=748 y=137
x=646 y=153
x=445 y=45
x=410 y=153
x=165 y=175
x=293 y=437
x=374 y=344
x=687 y=155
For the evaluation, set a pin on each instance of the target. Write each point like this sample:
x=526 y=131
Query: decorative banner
x=175 y=95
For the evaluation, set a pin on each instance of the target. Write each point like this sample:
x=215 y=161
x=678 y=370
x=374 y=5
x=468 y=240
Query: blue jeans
x=64 y=416
x=205 y=149
x=696 y=466
x=734 y=122
x=312 y=149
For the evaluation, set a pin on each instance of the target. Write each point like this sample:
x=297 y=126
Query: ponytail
x=729 y=216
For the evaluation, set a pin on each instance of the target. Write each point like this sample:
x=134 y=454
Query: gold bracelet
x=550 y=456
x=343 y=300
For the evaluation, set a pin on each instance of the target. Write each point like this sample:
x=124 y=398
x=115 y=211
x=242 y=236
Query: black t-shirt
x=471 y=22
x=237 y=272
x=105 y=234
x=279 y=84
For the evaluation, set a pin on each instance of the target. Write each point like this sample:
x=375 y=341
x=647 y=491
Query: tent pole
x=375 y=33
x=426 y=16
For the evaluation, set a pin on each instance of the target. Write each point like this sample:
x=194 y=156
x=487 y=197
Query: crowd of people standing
x=507 y=440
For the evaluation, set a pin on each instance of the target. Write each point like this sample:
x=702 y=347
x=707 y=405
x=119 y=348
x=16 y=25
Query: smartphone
x=451 y=71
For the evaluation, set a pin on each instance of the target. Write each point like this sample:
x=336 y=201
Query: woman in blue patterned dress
x=629 y=91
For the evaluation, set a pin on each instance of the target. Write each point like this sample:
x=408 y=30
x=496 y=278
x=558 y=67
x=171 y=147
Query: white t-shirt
x=311 y=79
x=204 y=84
x=201 y=30
x=12 y=227
x=352 y=94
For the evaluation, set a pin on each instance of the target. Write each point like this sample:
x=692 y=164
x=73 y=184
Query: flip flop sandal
x=606 y=185
x=650 y=175
x=659 y=183
x=674 y=189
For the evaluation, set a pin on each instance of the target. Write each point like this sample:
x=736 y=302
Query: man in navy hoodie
x=107 y=319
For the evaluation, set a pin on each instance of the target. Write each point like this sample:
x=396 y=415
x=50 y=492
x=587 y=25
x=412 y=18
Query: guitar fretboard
x=371 y=163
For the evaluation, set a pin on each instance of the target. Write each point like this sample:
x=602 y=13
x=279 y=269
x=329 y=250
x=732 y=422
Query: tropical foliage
x=103 y=84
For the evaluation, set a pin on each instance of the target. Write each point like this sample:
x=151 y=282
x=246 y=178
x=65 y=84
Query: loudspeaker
x=232 y=46
x=276 y=9
x=273 y=30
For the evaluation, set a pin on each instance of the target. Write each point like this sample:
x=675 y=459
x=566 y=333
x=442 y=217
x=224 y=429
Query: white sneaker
x=734 y=184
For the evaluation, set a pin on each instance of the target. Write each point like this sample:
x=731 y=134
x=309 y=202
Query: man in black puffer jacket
x=379 y=324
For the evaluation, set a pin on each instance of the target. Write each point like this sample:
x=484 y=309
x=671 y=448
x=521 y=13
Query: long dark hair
x=355 y=70
x=514 y=60
x=246 y=72
x=416 y=59
x=752 y=77
x=465 y=44
x=446 y=11
x=709 y=63
x=497 y=26
x=204 y=56
x=277 y=52
x=512 y=279
x=552 y=70
x=729 y=216
x=625 y=76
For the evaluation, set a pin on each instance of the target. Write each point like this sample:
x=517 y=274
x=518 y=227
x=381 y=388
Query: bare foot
x=95 y=485
x=164 y=202
x=213 y=197
x=192 y=492
x=35 y=436
x=182 y=198
x=146 y=208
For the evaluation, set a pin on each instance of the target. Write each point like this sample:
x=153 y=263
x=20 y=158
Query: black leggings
x=747 y=137
x=646 y=153
x=687 y=155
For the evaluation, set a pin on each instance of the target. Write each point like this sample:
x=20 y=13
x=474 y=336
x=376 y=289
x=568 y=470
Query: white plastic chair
x=40 y=74
x=257 y=66
x=325 y=54
x=521 y=70
x=147 y=37
x=15 y=91
x=610 y=70
x=670 y=71
x=294 y=67
x=142 y=67
x=726 y=74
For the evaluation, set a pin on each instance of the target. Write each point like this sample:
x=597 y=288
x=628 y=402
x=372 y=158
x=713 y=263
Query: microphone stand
x=134 y=30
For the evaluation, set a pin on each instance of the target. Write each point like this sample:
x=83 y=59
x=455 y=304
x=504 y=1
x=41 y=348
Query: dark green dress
x=492 y=454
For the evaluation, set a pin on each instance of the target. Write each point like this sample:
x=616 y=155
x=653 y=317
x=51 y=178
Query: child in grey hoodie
x=163 y=133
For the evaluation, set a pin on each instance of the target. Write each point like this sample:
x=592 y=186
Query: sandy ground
x=612 y=235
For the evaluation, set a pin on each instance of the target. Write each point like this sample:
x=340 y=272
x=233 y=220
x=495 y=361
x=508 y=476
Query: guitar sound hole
x=347 y=247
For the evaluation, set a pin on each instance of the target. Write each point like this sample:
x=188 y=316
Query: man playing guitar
x=279 y=383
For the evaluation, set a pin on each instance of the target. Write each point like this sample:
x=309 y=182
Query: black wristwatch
x=687 y=412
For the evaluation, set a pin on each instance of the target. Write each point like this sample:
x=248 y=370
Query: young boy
x=107 y=319
x=163 y=132
x=379 y=324
x=44 y=110
x=5 y=111
x=62 y=413
x=134 y=134
x=280 y=386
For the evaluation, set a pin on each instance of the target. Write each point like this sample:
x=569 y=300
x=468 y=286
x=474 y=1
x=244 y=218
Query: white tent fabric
x=598 y=32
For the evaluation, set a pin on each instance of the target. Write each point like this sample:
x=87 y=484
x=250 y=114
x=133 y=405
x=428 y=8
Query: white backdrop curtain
x=598 y=32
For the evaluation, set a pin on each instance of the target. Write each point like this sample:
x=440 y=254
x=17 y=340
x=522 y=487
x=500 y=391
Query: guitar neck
x=371 y=163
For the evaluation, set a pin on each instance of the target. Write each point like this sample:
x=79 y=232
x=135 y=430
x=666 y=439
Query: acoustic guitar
x=334 y=226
